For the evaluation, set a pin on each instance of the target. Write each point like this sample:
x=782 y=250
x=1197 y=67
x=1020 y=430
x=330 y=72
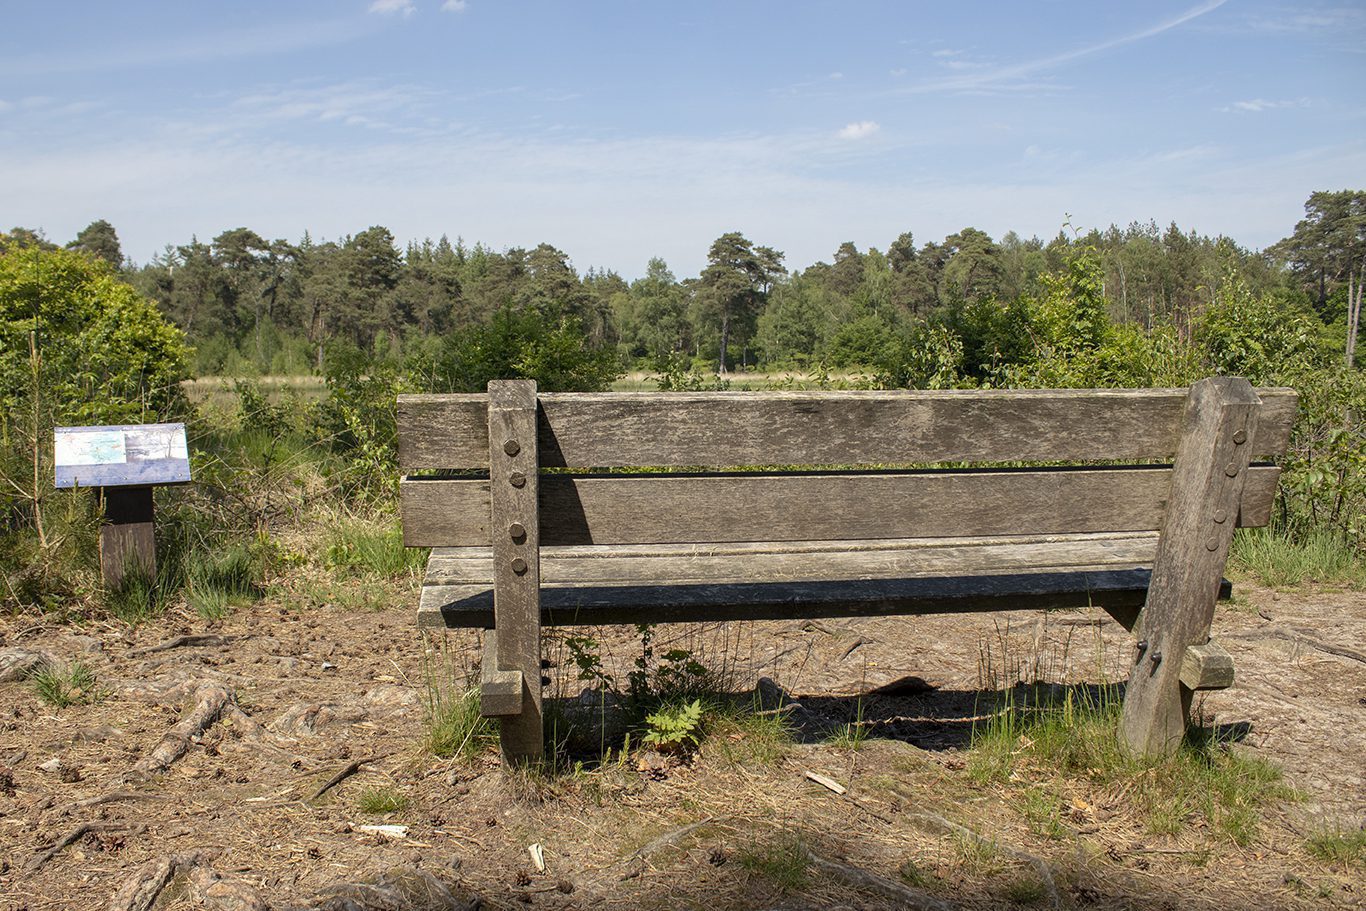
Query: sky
x=621 y=131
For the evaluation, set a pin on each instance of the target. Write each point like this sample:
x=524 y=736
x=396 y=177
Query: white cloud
x=1004 y=76
x=402 y=8
x=1257 y=105
x=455 y=6
x=861 y=129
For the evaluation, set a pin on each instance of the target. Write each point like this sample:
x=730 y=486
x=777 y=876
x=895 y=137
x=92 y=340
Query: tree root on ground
x=396 y=890
x=939 y=825
x=198 y=641
x=75 y=835
x=110 y=797
x=211 y=703
x=141 y=890
x=879 y=885
x=1299 y=638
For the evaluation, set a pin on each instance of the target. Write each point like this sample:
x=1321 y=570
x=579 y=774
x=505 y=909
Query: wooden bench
x=1139 y=518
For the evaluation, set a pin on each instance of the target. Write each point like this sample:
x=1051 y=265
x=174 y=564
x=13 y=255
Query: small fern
x=675 y=728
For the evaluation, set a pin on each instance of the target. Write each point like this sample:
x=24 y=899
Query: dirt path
x=274 y=703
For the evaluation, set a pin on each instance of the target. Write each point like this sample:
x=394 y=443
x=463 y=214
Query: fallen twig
x=195 y=641
x=853 y=645
x=73 y=836
x=871 y=882
x=349 y=770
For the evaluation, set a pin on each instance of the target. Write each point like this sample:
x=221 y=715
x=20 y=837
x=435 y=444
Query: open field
x=886 y=708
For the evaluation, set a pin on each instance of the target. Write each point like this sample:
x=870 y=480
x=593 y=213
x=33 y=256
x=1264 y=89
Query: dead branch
x=880 y=885
x=111 y=797
x=72 y=837
x=671 y=837
x=344 y=774
x=940 y=825
x=1289 y=635
x=211 y=699
x=196 y=641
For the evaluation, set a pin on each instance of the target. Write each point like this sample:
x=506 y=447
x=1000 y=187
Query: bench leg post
x=515 y=525
x=1202 y=511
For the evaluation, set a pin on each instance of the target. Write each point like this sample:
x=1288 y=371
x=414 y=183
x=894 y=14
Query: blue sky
x=618 y=131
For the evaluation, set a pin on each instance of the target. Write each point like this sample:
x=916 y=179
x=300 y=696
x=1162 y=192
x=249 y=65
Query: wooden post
x=513 y=472
x=127 y=535
x=1197 y=528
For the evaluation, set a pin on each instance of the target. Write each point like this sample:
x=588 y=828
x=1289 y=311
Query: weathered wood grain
x=501 y=693
x=1206 y=667
x=603 y=584
x=802 y=561
x=454 y=606
x=512 y=512
x=1209 y=475
x=646 y=509
x=127 y=535
x=720 y=429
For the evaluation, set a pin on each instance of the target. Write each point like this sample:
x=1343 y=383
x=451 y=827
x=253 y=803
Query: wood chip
x=824 y=782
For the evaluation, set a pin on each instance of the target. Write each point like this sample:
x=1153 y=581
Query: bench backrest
x=816 y=437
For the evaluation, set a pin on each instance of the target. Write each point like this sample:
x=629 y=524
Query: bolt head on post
x=512 y=447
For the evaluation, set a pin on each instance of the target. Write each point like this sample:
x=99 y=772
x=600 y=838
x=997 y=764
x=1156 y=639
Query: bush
x=102 y=354
x=77 y=346
x=543 y=345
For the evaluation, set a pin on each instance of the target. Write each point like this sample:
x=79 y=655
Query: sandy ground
x=315 y=690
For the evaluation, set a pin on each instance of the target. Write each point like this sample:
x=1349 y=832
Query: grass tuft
x=455 y=729
x=781 y=860
x=364 y=549
x=64 y=686
x=1043 y=741
x=135 y=599
x=379 y=801
x=1343 y=849
x=1280 y=561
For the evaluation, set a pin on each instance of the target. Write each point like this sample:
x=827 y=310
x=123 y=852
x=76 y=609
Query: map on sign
x=134 y=455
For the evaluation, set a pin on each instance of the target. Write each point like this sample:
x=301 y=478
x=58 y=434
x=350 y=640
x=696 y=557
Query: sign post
x=125 y=462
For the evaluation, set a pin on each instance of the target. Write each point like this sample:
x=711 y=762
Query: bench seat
x=661 y=583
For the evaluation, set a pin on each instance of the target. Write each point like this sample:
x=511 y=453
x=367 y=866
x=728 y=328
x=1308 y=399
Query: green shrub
x=675 y=728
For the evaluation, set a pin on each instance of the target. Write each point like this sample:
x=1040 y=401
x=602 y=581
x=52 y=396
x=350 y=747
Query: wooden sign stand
x=127 y=534
x=124 y=462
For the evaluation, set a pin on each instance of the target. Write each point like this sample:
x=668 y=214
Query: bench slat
x=718 y=429
x=643 y=509
x=471 y=606
x=736 y=563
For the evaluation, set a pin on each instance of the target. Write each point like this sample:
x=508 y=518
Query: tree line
x=251 y=304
